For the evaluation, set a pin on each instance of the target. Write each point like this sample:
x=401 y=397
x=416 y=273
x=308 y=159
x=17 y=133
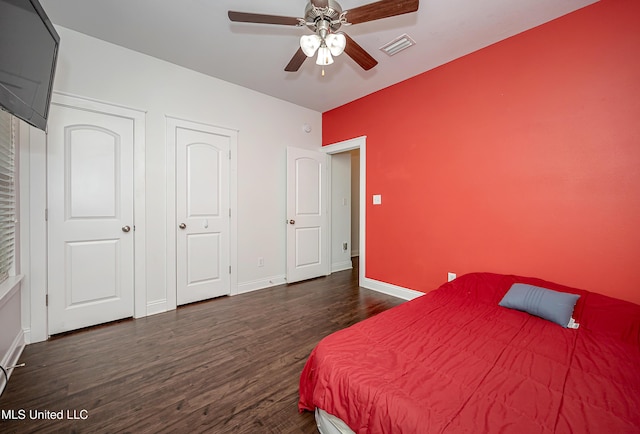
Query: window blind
x=7 y=193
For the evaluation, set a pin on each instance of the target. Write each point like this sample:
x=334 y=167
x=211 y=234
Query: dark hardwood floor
x=228 y=365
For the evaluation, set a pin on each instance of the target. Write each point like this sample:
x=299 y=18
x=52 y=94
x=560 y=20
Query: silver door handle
x=292 y=222
x=182 y=226
x=126 y=228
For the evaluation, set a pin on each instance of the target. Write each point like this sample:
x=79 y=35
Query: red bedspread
x=453 y=361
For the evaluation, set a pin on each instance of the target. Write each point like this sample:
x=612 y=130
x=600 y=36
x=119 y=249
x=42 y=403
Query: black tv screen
x=28 y=54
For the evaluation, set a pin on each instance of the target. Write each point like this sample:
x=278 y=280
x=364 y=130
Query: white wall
x=341 y=205
x=91 y=68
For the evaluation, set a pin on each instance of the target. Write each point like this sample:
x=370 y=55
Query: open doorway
x=358 y=143
x=345 y=209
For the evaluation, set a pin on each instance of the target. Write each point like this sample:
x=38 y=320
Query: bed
x=455 y=361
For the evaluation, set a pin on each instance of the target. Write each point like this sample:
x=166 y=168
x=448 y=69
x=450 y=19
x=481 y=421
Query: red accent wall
x=521 y=158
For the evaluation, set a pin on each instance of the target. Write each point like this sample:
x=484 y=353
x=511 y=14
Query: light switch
x=377 y=199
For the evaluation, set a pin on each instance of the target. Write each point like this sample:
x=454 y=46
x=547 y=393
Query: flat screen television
x=28 y=55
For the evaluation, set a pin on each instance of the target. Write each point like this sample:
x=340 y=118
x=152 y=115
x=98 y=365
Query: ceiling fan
x=324 y=18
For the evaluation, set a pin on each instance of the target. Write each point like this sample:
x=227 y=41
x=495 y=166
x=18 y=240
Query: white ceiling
x=198 y=35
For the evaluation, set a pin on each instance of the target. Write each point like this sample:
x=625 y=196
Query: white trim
x=348 y=145
x=256 y=285
x=24 y=175
x=10 y=298
x=341 y=266
x=170 y=195
x=78 y=101
x=389 y=289
x=140 y=215
x=12 y=356
x=233 y=204
x=27 y=335
x=139 y=200
x=171 y=123
x=35 y=290
x=156 y=307
x=15 y=350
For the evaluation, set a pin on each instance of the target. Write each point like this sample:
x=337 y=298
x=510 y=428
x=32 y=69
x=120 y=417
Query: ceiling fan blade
x=320 y=3
x=381 y=9
x=296 y=61
x=359 y=54
x=247 y=17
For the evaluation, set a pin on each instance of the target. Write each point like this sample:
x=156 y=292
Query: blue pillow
x=548 y=304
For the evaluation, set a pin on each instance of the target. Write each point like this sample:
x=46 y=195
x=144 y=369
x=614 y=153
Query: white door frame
x=36 y=284
x=349 y=145
x=172 y=122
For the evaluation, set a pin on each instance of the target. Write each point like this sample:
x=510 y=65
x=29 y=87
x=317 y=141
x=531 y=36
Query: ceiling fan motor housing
x=323 y=18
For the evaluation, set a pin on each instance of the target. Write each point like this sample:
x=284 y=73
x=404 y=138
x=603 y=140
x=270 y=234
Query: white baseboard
x=340 y=266
x=11 y=333
x=155 y=307
x=27 y=335
x=11 y=357
x=389 y=289
x=160 y=306
x=255 y=285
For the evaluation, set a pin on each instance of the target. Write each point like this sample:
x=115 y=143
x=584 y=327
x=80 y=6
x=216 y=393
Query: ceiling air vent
x=398 y=44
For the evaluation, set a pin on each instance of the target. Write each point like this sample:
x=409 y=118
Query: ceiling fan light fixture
x=336 y=42
x=309 y=44
x=324 y=56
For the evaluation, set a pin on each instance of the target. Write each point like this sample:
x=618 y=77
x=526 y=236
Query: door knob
x=182 y=226
x=292 y=222
x=126 y=228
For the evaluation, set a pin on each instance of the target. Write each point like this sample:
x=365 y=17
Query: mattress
x=330 y=424
x=453 y=361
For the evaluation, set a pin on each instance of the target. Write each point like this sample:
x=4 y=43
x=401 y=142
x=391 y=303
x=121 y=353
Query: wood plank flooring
x=228 y=365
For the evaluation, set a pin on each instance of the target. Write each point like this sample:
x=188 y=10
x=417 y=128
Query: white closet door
x=90 y=215
x=202 y=213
